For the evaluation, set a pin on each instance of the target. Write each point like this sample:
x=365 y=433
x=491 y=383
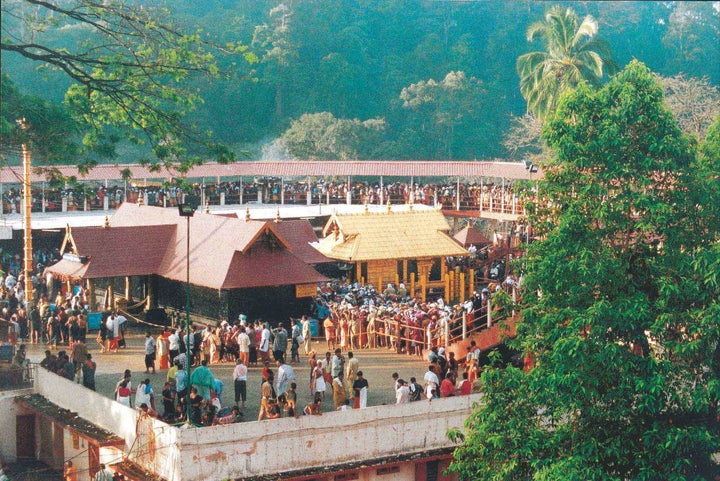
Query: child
x=291 y=400
x=314 y=408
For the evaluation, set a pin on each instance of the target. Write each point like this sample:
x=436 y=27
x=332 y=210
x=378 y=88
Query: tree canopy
x=620 y=304
x=128 y=66
x=573 y=54
x=353 y=60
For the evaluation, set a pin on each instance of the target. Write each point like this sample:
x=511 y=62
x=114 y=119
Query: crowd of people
x=470 y=196
x=354 y=317
x=359 y=316
x=76 y=365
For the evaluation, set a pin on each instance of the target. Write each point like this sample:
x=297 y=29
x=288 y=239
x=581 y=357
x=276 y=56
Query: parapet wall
x=157 y=453
x=285 y=445
x=265 y=447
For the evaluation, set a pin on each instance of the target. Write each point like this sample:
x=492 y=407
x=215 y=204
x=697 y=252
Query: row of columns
x=65 y=207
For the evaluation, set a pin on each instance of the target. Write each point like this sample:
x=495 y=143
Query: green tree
x=129 y=65
x=322 y=136
x=620 y=307
x=280 y=55
x=572 y=54
x=445 y=111
x=51 y=123
x=692 y=38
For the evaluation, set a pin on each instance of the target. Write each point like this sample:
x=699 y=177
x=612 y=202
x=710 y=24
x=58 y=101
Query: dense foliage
x=128 y=66
x=572 y=54
x=620 y=307
x=354 y=60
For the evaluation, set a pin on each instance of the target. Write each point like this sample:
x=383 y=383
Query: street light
x=187 y=209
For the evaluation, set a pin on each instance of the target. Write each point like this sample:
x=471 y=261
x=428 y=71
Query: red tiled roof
x=120 y=251
x=252 y=269
x=470 y=235
x=299 y=233
x=375 y=168
x=144 y=240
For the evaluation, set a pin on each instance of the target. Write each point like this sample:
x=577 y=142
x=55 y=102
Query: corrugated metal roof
x=374 y=168
x=388 y=235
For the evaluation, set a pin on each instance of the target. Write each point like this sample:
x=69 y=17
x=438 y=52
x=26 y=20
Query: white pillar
x=447 y=335
x=489 y=310
x=502 y=199
x=222 y=198
x=457 y=195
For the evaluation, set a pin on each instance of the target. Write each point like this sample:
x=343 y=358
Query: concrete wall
x=8 y=440
x=282 y=445
x=116 y=418
x=270 y=446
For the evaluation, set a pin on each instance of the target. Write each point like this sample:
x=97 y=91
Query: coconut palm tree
x=573 y=54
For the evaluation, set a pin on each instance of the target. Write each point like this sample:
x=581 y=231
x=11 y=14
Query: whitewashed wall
x=8 y=439
x=281 y=445
x=270 y=446
x=116 y=418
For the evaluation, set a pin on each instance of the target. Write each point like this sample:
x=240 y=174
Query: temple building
x=149 y=252
x=401 y=245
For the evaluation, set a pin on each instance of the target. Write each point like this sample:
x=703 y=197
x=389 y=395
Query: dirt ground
x=377 y=366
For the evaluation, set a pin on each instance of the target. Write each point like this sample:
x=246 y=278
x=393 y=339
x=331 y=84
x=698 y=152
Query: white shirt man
x=402 y=393
x=265 y=341
x=306 y=334
x=285 y=374
x=243 y=341
x=432 y=383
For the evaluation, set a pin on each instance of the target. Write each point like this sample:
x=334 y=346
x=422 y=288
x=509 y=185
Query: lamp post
x=187 y=209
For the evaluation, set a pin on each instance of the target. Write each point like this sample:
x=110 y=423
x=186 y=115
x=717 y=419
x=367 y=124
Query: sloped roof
x=145 y=240
x=470 y=235
x=388 y=235
x=122 y=251
x=299 y=233
x=251 y=269
x=301 y=168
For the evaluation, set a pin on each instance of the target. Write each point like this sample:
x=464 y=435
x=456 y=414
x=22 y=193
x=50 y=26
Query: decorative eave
x=70 y=420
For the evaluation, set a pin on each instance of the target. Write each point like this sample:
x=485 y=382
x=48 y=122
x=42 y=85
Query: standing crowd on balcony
x=490 y=197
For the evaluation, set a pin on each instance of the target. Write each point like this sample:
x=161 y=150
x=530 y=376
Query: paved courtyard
x=377 y=366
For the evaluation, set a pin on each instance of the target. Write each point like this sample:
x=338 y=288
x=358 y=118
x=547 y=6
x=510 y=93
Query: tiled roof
x=69 y=420
x=375 y=168
x=299 y=233
x=213 y=241
x=145 y=240
x=261 y=267
x=68 y=268
x=388 y=235
x=122 y=251
x=470 y=235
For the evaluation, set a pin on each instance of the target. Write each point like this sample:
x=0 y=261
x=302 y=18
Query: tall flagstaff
x=27 y=218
